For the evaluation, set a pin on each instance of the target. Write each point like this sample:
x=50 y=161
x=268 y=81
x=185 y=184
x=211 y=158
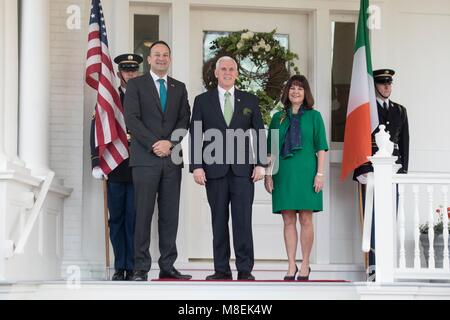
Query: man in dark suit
x=122 y=212
x=228 y=179
x=155 y=106
x=395 y=118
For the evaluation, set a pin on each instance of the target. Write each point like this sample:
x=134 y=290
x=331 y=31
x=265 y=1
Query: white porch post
x=11 y=84
x=384 y=217
x=35 y=85
x=3 y=81
x=2 y=133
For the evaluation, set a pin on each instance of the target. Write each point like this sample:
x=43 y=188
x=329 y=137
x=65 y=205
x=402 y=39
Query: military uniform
x=121 y=206
x=394 y=117
x=396 y=121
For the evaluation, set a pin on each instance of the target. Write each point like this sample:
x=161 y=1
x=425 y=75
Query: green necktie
x=228 y=108
x=162 y=94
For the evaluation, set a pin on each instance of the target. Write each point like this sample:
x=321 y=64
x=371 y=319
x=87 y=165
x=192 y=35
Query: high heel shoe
x=291 y=278
x=304 y=278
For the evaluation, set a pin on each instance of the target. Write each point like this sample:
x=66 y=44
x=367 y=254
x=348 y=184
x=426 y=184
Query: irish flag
x=362 y=114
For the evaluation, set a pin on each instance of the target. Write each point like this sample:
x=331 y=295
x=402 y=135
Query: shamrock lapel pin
x=247 y=111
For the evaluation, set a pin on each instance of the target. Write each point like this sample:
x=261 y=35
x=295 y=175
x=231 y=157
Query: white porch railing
x=398 y=251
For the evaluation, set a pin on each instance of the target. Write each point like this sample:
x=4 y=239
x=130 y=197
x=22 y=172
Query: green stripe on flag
x=362 y=34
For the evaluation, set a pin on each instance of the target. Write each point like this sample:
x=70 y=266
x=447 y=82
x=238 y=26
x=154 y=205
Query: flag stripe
x=357 y=148
x=362 y=114
x=110 y=131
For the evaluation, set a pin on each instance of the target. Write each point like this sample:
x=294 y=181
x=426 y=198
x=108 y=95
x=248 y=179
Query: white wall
x=413 y=41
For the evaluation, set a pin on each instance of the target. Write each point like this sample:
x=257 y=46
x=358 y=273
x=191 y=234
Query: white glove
x=362 y=178
x=97 y=173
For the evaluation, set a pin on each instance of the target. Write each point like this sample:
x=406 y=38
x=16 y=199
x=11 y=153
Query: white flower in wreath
x=240 y=44
x=247 y=35
x=256 y=48
x=268 y=48
x=262 y=43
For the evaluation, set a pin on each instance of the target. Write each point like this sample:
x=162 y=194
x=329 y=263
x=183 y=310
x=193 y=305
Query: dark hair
x=159 y=42
x=302 y=82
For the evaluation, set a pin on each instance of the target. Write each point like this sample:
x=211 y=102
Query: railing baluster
x=402 y=231
x=445 y=229
x=417 y=265
x=431 y=261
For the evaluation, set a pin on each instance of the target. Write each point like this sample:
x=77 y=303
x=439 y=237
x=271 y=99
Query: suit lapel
x=215 y=103
x=237 y=107
x=171 y=87
x=154 y=92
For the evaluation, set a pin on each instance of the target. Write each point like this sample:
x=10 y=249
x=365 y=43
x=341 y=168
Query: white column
x=384 y=217
x=2 y=83
x=11 y=71
x=121 y=23
x=35 y=85
x=180 y=34
x=2 y=135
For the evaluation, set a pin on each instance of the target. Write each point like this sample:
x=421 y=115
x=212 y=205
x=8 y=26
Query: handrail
x=34 y=214
x=419 y=178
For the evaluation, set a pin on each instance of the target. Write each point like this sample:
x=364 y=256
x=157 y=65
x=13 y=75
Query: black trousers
x=239 y=191
x=163 y=181
x=122 y=220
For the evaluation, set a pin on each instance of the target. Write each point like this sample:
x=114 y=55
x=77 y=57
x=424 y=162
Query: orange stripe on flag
x=357 y=140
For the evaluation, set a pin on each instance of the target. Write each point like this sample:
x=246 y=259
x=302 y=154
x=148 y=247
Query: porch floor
x=329 y=282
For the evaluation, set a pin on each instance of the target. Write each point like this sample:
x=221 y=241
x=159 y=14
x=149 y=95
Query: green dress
x=294 y=180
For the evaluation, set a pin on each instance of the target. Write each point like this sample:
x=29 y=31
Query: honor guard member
x=394 y=117
x=121 y=206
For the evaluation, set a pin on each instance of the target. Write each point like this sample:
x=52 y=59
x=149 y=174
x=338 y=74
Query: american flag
x=110 y=130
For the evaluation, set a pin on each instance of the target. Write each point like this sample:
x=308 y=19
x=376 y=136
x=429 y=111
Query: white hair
x=225 y=58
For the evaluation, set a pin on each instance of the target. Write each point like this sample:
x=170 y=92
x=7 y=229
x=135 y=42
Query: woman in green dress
x=296 y=177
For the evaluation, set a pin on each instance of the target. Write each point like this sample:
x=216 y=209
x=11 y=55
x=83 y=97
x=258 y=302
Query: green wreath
x=271 y=66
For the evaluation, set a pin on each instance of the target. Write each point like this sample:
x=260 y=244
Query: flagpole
x=106 y=220
x=361 y=220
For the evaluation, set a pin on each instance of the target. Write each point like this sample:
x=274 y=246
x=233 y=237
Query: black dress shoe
x=129 y=275
x=140 y=276
x=245 y=276
x=174 y=274
x=304 y=278
x=119 y=275
x=291 y=278
x=218 y=276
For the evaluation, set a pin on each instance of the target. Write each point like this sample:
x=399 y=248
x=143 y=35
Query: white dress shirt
x=156 y=78
x=380 y=101
x=222 y=97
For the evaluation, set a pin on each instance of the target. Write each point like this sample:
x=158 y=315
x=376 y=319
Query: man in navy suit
x=232 y=169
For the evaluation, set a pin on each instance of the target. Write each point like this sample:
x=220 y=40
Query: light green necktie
x=228 y=108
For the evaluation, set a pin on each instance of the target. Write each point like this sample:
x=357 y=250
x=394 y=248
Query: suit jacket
x=208 y=114
x=396 y=121
x=122 y=173
x=146 y=121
